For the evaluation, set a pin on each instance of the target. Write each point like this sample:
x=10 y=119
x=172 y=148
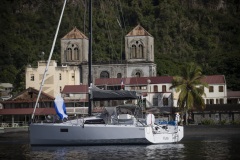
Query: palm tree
x=191 y=88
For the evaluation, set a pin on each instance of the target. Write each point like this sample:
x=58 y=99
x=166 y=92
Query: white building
x=57 y=77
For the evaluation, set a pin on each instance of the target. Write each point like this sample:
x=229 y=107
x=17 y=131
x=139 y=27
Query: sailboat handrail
x=49 y=58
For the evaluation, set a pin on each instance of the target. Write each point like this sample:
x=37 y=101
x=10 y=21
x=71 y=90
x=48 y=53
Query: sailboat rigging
x=48 y=62
x=90 y=59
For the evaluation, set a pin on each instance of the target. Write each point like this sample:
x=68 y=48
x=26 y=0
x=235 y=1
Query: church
x=139 y=58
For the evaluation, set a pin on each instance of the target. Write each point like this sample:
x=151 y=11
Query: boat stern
x=180 y=133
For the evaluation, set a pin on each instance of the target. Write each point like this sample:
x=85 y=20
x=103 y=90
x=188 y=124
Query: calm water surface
x=193 y=146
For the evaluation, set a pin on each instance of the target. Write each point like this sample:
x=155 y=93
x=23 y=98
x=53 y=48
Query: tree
x=190 y=88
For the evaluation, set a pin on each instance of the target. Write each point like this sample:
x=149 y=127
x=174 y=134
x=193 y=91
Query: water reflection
x=169 y=151
x=162 y=151
x=220 y=147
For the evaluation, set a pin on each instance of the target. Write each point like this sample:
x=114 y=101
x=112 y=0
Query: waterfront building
x=139 y=62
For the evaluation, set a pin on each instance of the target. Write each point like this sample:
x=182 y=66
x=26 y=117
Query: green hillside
x=206 y=32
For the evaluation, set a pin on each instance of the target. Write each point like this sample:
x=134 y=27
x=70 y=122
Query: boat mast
x=48 y=62
x=90 y=58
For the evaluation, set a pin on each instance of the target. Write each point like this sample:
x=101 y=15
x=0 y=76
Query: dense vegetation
x=206 y=32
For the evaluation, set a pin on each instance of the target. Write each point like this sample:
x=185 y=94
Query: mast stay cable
x=49 y=58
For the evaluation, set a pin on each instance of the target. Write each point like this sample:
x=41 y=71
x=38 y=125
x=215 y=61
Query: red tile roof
x=75 y=89
x=138 y=31
x=75 y=34
x=214 y=79
x=27 y=111
x=133 y=80
x=232 y=94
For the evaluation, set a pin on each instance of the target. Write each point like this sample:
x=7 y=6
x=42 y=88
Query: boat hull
x=98 y=134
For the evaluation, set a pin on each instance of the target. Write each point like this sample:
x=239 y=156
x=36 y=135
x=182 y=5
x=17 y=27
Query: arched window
x=76 y=55
x=119 y=75
x=69 y=54
x=138 y=74
x=164 y=88
x=155 y=88
x=104 y=74
x=133 y=51
x=72 y=52
x=140 y=48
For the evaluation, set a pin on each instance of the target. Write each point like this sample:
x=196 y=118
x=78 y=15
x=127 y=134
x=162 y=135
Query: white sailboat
x=116 y=125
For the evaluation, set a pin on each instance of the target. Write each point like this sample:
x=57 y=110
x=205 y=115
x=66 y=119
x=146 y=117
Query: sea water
x=219 y=145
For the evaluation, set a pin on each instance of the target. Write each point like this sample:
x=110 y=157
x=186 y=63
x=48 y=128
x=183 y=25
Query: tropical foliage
x=190 y=87
x=206 y=32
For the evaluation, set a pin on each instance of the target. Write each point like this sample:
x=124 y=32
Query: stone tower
x=139 y=45
x=74 y=48
x=139 y=55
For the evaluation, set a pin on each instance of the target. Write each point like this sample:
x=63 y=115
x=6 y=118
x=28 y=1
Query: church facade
x=139 y=53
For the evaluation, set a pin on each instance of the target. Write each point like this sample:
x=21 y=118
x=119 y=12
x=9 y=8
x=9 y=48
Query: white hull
x=98 y=134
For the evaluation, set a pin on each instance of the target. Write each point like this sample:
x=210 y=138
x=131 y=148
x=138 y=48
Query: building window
x=104 y=74
x=164 y=88
x=220 y=88
x=207 y=101
x=143 y=87
x=73 y=77
x=119 y=75
x=69 y=54
x=221 y=101
x=138 y=74
x=165 y=101
x=60 y=89
x=211 y=89
x=60 y=76
x=76 y=55
x=140 y=51
x=155 y=88
x=133 y=51
x=217 y=101
x=32 y=77
x=155 y=101
x=211 y=101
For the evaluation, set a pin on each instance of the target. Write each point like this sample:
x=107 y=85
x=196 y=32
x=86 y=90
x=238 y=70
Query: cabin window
x=220 y=88
x=63 y=130
x=211 y=89
x=104 y=74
